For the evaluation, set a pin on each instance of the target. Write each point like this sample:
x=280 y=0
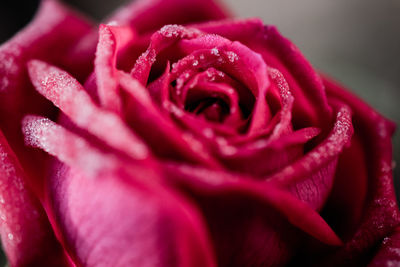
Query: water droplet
x=232 y=56
x=215 y=51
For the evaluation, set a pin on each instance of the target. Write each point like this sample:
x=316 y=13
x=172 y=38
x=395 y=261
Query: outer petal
x=389 y=251
x=150 y=15
x=112 y=213
x=380 y=213
x=67 y=94
x=251 y=222
x=50 y=36
x=26 y=234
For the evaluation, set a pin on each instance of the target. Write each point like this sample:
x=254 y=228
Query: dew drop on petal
x=215 y=51
x=232 y=56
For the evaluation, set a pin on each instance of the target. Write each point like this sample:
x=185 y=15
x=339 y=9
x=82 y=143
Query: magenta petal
x=159 y=41
x=388 y=253
x=135 y=225
x=26 y=233
x=150 y=15
x=51 y=36
x=149 y=122
x=311 y=105
x=68 y=94
x=275 y=154
x=380 y=214
x=233 y=202
x=217 y=182
x=136 y=220
x=111 y=40
x=311 y=177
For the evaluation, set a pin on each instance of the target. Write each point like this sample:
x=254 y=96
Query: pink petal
x=275 y=154
x=388 y=253
x=149 y=122
x=241 y=63
x=150 y=15
x=136 y=222
x=135 y=225
x=311 y=177
x=26 y=233
x=311 y=107
x=159 y=41
x=243 y=218
x=67 y=94
x=111 y=40
x=380 y=214
x=51 y=36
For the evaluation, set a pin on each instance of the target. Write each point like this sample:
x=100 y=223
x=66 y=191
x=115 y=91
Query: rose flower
x=174 y=135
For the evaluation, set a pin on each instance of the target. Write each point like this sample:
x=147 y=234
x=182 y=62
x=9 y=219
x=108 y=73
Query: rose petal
x=150 y=15
x=311 y=106
x=51 y=36
x=175 y=144
x=135 y=225
x=111 y=40
x=66 y=92
x=381 y=213
x=241 y=63
x=388 y=253
x=133 y=212
x=26 y=234
x=311 y=177
x=275 y=154
x=159 y=41
x=233 y=202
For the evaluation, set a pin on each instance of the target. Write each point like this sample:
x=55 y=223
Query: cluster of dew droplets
x=175 y=31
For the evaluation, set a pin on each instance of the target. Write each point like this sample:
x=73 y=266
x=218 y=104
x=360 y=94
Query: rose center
x=212 y=109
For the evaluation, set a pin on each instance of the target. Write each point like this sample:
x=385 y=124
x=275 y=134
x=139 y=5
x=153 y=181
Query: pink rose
x=210 y=144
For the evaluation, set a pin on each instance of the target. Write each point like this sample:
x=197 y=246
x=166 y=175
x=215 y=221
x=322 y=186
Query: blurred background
x=357 y=42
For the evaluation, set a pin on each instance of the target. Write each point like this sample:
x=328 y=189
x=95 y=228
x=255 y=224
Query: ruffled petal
x=67 y=94
x=310 y=106
x=175 y=144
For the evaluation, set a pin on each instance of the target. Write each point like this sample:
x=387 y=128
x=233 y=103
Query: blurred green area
x=356 y=42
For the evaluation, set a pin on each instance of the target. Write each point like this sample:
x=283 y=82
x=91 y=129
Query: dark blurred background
x=357 y=42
